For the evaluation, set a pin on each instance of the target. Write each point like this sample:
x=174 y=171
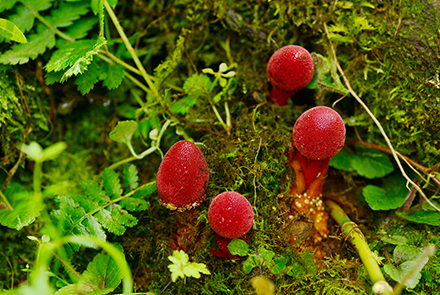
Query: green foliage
x=391 y=195
x=102 y=276
x=407 y=259
x=195 y=86
x=10 y=31
x=181 y=266
x=103 y=207
x=24 y=209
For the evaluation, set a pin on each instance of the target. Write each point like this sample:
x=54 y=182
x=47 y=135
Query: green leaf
x=112 y=76
x=407 y=259
x=181 y=267
x=11 y=32
x=81 y=27
x=197 y=85
x=21 y=53
x=88 y=79
x=250 y=263
x=67 y=12
x=421 y=216
x=39 y=5
x=371 y=163
x=123 y=131
x=75 y=57
x=112 y=184
x=102 y=276
x=238 y=247
x=391 y=195
x=182 y=106
x=341 y=161
x=395 y=240
x=26 y=209
x=278 y=265
x=7 y=4
x=130 y=177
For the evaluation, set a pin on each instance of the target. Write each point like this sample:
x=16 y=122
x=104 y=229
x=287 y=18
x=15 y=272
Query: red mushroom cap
x=290 y=68
x=182 y=177
x=319 y=133
x=230 y=215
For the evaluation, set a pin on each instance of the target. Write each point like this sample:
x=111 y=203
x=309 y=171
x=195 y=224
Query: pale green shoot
x=181 y=267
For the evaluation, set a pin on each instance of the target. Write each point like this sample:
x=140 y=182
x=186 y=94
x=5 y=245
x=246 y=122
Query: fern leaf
x=94 y=192
x=112 y=185
x=130 y=177
x=105 y=217
x=21 y=53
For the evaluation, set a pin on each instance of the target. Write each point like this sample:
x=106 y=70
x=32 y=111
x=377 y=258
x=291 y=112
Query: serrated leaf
x=105 y=218
x=130 y=177
x=11 y=31
x=371 y=163
x=391 y=195
x=278 y=265
x=75 y=56
x=21 y=53
x=113 y=76
x=25 y=211
x=88 y=79
x=197 y=85
x=67 y=12
x=238 y=247
x=39 y=5
x=124 y=131
x=112 y=184
x=134 y=204
x=7 y=4
x=81 y=27
x=103 y=271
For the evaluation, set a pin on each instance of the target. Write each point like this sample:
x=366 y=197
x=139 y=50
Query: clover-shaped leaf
x=181 y=266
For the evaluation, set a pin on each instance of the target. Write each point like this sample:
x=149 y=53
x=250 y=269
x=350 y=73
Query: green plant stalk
x=50 y=26
x=131 y=49
x=5 y=200
x=355 y=236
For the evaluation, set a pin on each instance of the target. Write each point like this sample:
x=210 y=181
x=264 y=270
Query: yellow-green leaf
x=10 y=31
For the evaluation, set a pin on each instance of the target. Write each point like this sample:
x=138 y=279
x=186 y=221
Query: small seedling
x=181 y=267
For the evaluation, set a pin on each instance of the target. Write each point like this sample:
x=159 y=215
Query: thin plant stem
x=131 y=50
x=385 y=136
x=120 y=62
x=355 y=236
x=137 y=82
x=50 y=26
x=5 y=200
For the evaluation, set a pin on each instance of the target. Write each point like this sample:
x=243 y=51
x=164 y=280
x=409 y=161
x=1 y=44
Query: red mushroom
x=318 y=135
x=289 y=70
x=181 y=183
x=230 y=215
x=182 y=177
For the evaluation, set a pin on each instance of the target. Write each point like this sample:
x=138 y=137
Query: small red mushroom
x=181 y=182
x=289 y=70
x=318 y=135
x=182 y=177
x=230 y=215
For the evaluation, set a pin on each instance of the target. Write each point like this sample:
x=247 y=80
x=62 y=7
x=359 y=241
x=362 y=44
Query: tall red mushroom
x=181 y=182
x=289 y=70
x=318 y=135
